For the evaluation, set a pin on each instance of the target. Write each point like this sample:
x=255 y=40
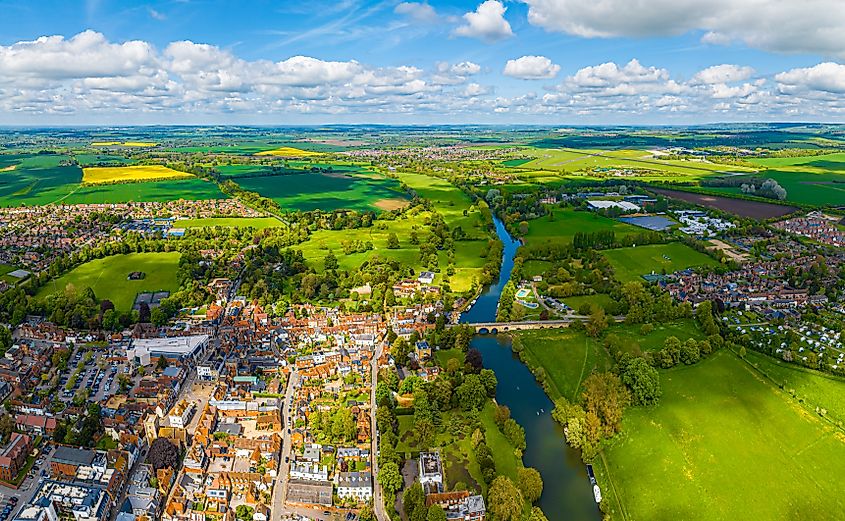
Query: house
x=13 y=455
x=35 y=424
x=309 y=471
x=355 y=485
x=431 y=472
x=459 y=505
x=426 y=277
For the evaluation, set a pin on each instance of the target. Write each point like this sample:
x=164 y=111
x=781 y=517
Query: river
x=567 y=494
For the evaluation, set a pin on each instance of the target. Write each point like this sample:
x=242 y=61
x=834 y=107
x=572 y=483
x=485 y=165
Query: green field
x=468 y=260
x=359 y=190
x=27 y=179
x=169 y=190
x=41 y=180
x=812 y=180
x=602 y=300
x=449 y=201
x=228 y=222
x=567 y=222
x=594 y=163
x=816 y=389
x=567 y=357
x=108 y=277
x=723 y=444
x=634 y=262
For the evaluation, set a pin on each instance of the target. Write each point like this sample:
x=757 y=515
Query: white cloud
x=825 y=77
x=453 y=74
x=531 y=68
x=809 y=26
x=486 y=23
x=724 y=73
x=610 y=74
x=417 y=11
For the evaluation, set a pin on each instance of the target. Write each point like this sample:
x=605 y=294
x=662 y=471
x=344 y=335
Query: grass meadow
x=724 y=443
x=454 y=205
x=567 y=222
x=327 y=191
x=632 y=263
x=108 y=277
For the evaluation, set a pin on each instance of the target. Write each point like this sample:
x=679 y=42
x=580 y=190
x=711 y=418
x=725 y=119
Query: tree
x=643 y=380
x=162 y=363
x=504 y=500
x=244 y=513
x=5 y=339
x=597 y=322
x=389 y=477
x=501 y=415
x=163 y=454
x=530 y=483
x=605 y=396
x=472 y=394
x=514 y=433
x=413 y=499
x=536 y=515
x=473 y=361
x=488 y=379
x=143 y=312
x=331 y=261
x=436 y=513
x=690 y=352
x=392 y=242
x=7 y=426
x=158 y=317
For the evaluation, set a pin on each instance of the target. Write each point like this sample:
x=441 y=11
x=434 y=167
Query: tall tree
x=504 y=500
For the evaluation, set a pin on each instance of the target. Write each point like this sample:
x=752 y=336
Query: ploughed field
x=741 y=207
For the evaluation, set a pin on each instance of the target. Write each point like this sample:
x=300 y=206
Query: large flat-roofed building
x=603 y=204
x=67 y=460
x=310 y=492
x=147 y=351
x=71 y=500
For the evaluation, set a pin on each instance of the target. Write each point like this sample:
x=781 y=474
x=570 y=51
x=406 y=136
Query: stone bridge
x=493 y=328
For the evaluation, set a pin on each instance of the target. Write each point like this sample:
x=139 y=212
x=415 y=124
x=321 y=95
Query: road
x=280 y=488
x=378 y=500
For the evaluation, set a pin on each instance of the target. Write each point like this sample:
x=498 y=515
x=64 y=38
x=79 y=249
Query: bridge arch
x=494 y=331
x=483 y=331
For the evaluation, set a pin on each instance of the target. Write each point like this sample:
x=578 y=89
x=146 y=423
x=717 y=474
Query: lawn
x=449 y=201
x=444 y=355
x=723 y=444
x=566 y=222
x=602 y=300
x=123 y=174
x=816 y=389
x=108 y=277
x=632 y=263
x=228 y=222
x=353 y=190
x=566 y=356
x=634 y=341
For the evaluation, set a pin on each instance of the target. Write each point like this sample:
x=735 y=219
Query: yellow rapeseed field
x=289 y=152
x=112 y=174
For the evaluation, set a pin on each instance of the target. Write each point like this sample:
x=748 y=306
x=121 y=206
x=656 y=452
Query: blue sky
x=279 y=62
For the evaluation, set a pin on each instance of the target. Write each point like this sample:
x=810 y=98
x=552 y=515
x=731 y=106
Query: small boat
x=538 y=413
x=541 y=410
x=597 y=493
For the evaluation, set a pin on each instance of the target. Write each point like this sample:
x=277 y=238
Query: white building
x=603 y=204
x=431 y=472
x=146 y=351
x=355 y=485
x=309 y=471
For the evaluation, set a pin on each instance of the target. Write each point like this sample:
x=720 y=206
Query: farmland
x=325 y=191
x=36 y=179
x=636 y=261
x=566 y=222
x=743 y=208
x=641 y=163
x=454 y=205
x=130 y=174
x=812 y=180
x=169 y=190
x=718 y=428
x=108 y=277
x=289 y=152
